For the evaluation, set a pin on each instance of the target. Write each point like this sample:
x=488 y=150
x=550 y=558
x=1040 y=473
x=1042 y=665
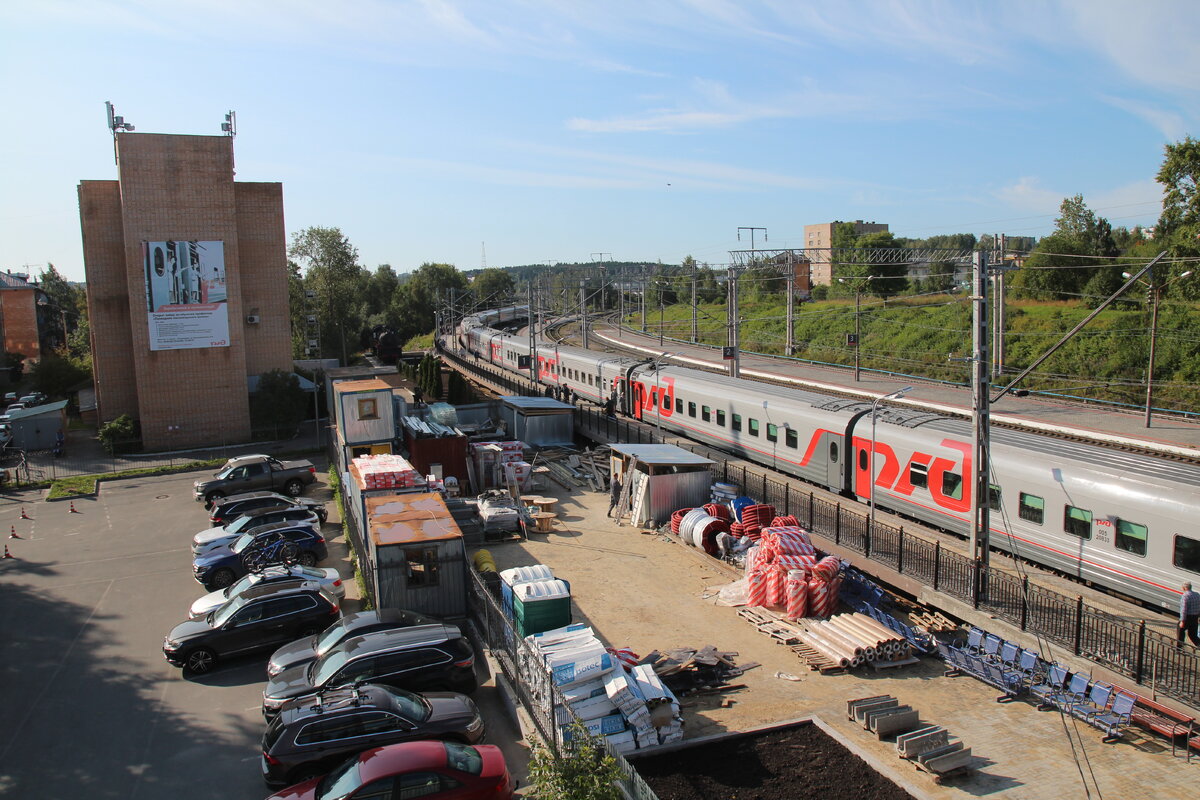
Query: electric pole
x=752 y=230
x=532 y=329
x=643 y=298
x=791 y=307
x=583 y=309
x=980 y=423
x=695 y=326
x=734 y=349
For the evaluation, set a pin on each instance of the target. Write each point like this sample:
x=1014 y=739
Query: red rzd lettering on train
x=652 y=396
x=889 y=475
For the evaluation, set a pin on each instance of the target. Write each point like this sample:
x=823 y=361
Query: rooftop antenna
x=116 y=125
x=483 y=255
x=229 y=126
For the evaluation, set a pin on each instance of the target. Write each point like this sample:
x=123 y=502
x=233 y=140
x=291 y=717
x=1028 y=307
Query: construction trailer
x=418 y=554
x=660 y=479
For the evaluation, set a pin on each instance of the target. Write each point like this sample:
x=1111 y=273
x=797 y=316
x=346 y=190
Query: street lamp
x=658 y=403
x=1155 y=292
x=871 y=462
x=858 y=284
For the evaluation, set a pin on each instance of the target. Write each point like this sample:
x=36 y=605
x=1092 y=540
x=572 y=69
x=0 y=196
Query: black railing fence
x=527 y=675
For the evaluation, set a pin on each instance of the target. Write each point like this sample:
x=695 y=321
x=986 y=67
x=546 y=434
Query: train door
x=834 y=455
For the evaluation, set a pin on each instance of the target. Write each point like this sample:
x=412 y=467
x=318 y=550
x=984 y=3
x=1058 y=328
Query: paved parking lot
x=88 y=705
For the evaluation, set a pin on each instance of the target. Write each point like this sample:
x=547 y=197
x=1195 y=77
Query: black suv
x=230 y=508
x=359 y=623
x=248 y=624
x=312 y=735
x=423 y=657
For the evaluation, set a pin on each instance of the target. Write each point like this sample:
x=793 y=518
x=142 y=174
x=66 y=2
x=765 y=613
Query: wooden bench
x=1175 y=725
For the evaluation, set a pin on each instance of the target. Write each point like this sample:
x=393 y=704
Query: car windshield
x=310 y=572
x=222 y=614
x=240 y=524
x=324 y=667
x=242 y=585
x=411 y=706
x=463 y=758
x=339 y=784
x=243 y=542
x=330 y=637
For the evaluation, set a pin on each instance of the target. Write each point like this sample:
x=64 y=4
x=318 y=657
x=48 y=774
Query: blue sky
x=554 y=129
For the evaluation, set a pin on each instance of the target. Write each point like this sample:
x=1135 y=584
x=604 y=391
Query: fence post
x=1024 y=602
x=867 y=539
x=975 y=583
x=764 y=489
x=1078 y=624
x=809 y=518
x=900 y=551
x=1141 y=653
x=787 y=499
x=937 y=563
x=837 y=523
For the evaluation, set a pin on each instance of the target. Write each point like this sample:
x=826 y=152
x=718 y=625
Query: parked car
x=246 y=473
x=297 y=576
x=211 y=538
x=247 y=624
x=14 y=407
x=413 y=769
x=218 y=568
x=230 y=508
x=33 y=399
x=424 y=657
x=313 y=735
x=360 y=623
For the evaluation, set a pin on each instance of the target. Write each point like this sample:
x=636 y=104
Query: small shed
x=665 y=478
x=38 y=427
x=365 y=416
x=419 y=555
x=538 y=421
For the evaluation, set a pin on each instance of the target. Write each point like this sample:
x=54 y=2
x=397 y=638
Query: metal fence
x=1124 y=646
x=525 y=671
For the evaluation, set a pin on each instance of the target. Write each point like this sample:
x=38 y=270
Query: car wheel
x=293 y=487
x=211 y=498
x=222 y=578
x=200 y=661
x=307 y=559
x=304 y=773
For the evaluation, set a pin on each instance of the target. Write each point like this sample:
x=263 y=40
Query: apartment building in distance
x=187 y=288
x=820 y=236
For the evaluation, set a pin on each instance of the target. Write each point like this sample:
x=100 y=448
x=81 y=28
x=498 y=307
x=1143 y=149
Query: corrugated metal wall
x=544 y=429
x=447 y=599
x=669 y=493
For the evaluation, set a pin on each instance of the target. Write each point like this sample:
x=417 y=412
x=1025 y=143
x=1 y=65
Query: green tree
x=1178 y=227
x=381 y=286
x=65 y=300
x=278 y=401
x=583 y=770
x=333 y=274
x=422 y=295
x=1068 y=261
x=57 y=376
x=888 y=278
x=492 y=287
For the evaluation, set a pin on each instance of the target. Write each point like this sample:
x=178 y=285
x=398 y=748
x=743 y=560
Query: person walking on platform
x=1189 y=615
x=614 y=494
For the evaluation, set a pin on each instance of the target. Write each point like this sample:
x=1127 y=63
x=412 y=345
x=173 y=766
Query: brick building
x=23 y=308
x=820 y=236
x=187 y=288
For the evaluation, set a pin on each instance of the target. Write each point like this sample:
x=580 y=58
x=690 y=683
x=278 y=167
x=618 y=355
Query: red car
x=437 y=770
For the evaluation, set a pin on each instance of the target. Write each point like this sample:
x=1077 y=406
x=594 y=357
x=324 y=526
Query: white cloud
x=1169 y=123
x=1027 y=195
x=1138 y=202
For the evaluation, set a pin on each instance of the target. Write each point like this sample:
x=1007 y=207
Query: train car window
x=706 y=413
x=993 y=497
x=691 y=409
x=1077 y=522
x=918 y=475
x=1131 y=537
x=678 y=406
x=1187 y=553
x=863 y=463
x=737 y=422
x=753 y=427
x=791 y=438
x=833 y=452
x=721 y=418
x=666 y=401
x=1033 y=508
x=952 y=485
x=772 y=433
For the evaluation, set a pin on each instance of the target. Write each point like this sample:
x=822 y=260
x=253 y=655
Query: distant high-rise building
x=187 y=288
x=820 y=236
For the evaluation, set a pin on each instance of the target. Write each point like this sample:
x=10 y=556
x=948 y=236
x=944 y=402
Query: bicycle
x=270 y=555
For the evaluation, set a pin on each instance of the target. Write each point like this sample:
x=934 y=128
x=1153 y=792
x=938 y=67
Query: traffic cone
x=23 y=514
x=13 y=535
x=8 y=554
x=73 y=511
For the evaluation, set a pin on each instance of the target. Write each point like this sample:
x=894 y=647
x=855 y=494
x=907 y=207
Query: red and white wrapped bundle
x=677 y=518
x=797 y=562
x=719 y=511
x=788 y=521
x=787 y=540
x=627 y=658
x=776 y=585
x=756 y=589
x=827 y=568
x=831 y=598
x=797 y=595
x=818 y=594
x=754 y=556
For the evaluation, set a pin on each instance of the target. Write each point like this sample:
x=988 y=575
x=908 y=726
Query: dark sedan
x=230 y=508
x=359 y=623
x=246 y=625
x=313 y=735
x=218 y=568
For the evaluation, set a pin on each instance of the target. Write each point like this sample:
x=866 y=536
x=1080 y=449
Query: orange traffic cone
x=8 y=554
x=23 y=514
x=13 y=535
x=73 y=511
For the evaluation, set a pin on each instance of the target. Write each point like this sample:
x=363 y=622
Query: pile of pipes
x=782 y=572
x=849 y=640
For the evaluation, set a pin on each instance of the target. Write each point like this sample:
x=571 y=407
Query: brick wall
x=262 y=246
x=19 y=310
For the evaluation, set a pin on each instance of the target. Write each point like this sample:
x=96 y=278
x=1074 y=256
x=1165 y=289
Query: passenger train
x=1120 y=520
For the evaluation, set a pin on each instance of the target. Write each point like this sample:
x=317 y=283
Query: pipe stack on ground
x=847 y=637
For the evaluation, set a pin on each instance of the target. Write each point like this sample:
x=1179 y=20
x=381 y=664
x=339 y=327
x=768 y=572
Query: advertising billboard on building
x=185 y=294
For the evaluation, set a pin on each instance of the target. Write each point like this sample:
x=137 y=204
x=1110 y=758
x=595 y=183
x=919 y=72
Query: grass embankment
x=86 y=485
x=335 y=484
x=916 y=335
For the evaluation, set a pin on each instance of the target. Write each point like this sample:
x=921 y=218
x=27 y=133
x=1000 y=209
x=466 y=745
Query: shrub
x=584 y=770
x=120 y=435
